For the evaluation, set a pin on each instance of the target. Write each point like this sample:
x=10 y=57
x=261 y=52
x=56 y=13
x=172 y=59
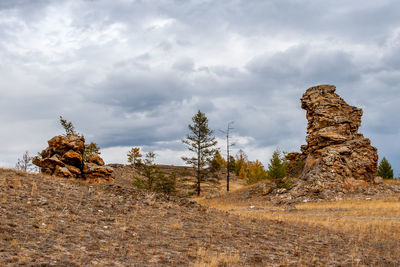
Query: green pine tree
x=277 y=168
x=68 y=127
x=165 y=183
x=385 y=169
x=201 y=143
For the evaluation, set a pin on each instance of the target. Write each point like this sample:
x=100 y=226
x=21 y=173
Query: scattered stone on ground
x=64 y=158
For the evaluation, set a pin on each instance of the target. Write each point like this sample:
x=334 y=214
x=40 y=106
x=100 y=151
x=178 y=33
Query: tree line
x=205 y=159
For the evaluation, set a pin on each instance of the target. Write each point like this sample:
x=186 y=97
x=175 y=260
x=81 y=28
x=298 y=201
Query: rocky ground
x=51 y=221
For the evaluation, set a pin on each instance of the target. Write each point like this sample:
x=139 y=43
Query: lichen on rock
x=64 y=158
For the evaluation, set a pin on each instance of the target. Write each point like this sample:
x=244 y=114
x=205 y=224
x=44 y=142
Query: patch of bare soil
x=52 y=221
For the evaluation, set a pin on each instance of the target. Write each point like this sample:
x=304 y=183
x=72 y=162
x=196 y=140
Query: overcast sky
x=133 y=73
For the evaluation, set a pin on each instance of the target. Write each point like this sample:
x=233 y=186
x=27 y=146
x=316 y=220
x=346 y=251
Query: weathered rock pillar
x=335 y=151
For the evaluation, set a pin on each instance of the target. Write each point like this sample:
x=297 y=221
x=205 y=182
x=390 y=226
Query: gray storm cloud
x=133 y=73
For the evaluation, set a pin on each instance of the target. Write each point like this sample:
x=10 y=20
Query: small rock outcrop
x=64 y=158
x=335 y=151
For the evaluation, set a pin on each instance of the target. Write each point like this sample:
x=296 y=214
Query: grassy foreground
x=50 y=221
x=381 y=218
x=375 y=221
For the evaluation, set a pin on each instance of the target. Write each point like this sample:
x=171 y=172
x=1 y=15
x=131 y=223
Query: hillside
x=186 y=180
x=52 y=221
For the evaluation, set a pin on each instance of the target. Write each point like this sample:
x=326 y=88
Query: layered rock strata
x=335 y=151
x=64 y=158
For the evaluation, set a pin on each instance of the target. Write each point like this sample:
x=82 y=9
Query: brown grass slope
x=185 y=182
x=58 y=222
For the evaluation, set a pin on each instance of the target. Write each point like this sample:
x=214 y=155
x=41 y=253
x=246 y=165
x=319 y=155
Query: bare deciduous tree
x=25 y=164
x=229 y=144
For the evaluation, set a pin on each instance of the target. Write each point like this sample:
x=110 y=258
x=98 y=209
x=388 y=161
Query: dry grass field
x=376 y=221
x=356 y=217
x=50 y=221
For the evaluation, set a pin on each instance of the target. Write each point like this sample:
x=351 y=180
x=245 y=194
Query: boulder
x=63 y=172
x=72 y=158
x=96 y=159
x=352 y=184
x=94 y=172
x=61 y=144
x=74 y=170
x=378 y=180
x=46 y=153
x=48 y=163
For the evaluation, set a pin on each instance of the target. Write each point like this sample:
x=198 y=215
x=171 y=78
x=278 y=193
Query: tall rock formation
x=335 y=151
x=64 y=158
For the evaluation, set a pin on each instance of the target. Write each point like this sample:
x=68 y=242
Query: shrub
x=165 y=183
x=217 y=163
x=153 y=179
x=255 y=172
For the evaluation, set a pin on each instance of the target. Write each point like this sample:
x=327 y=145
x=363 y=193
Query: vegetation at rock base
x=276 y=166
x=385 y=169
x=134 y=156
x=200 y=141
